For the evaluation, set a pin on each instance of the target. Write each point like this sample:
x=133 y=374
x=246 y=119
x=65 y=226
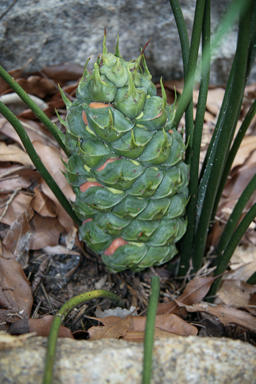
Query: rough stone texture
x=180 y=360
x=56 y=31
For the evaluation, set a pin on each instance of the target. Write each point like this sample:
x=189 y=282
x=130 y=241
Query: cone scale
x=126 y=165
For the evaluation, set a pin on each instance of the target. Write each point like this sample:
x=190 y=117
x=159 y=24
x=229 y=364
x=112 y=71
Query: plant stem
x=60 y=316
x=187 y=240
x=249 y=116
x=30 y=103
x=37 y=162
x=187 y=95
x=183 y=34
x=209 y=185
x=184 y=42
x=150 y=329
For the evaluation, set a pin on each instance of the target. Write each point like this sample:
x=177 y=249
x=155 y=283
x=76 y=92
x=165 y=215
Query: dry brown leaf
x=22 y=178
x=45 y=231
x=15 y=293
x=250 y=235
x=19 y=204
x=247 y=146
x=250 y=90
x=194 y=292
x=42 y=204
x=70 y=239
x=138 y=336
x=52 y=161
x=18 y=237
x=242 y=273
x=236 y=294
x=226 y=315
x=34 y=129
x=252 y=300
x=13 y=153
x=239 y=178
x=15 y=73
x=116 y=327
x=208 y=117
x=173 y=85
x=243 y=254
x=38 y=86
x=40 y=327
x=64 y=72
x=174 y=324
x=167 y=322
x=214 y=100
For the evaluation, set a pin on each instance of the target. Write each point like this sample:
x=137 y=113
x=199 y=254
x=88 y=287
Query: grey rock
x=56 y=31
x=189 y=360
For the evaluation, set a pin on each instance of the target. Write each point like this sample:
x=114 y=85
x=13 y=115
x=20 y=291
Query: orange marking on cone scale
x=89 y=184
x=95 y=105
x=159 y=114
x=84 y=118
x=108 y=161
x=85 y=221
x=114 y=245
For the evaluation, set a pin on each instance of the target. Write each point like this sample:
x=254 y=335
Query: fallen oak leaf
x=15 y=73
x=167 y=322
x=45 y=231
x=51 y=158
x=14 y=153
x=252 y=300
x=225 y=314
x=63 y=72
x=18 y=237
x=34 y=129
x=40 y=327
x=17 y=177
x=247 y=146
x=138 y=336
x=244 y=255
x=42 y=204
x=214 y=100
x=242 y=273
x=236 y=294
x=15 y=291
x=19 y=204
x=194 y=292
x=38 y=86
x=117 y=327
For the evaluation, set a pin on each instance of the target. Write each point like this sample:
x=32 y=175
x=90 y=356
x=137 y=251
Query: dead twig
x=15 y=192
x=14 y=170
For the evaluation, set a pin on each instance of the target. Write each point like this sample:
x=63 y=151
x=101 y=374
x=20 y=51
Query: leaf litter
x=40 y=242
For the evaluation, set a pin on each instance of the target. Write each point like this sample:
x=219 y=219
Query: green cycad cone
x=127 y=166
